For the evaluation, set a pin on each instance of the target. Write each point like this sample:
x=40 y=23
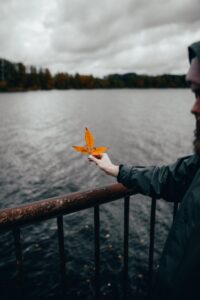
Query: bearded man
x=179 y=270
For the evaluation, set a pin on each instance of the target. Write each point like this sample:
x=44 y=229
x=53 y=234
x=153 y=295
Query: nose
x=196 y=107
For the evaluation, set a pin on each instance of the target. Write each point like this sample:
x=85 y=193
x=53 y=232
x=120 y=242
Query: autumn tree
x=62 y=81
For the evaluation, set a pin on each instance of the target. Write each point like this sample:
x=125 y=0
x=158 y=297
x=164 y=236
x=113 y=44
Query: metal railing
x=14 y=218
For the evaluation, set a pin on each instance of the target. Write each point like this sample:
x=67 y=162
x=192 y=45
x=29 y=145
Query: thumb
x=92 y=158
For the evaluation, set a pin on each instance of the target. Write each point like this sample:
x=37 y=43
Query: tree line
x=17 y=77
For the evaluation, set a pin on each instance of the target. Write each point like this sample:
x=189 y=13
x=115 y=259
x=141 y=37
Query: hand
x=105 y=164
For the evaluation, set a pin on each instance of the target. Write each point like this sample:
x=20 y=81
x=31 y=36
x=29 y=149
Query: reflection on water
x=37 y=130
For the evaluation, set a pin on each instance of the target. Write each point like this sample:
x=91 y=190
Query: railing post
x=63 y=205
x=126 y=237
x=18 y=254
x=97 y=251
x=151 y=244
x=61 y=252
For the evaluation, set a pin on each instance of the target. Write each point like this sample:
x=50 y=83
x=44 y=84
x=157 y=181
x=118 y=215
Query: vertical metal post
x=151 y=244
x=18 y=255
x=126 y=237
x=97 y=251
x=61 y=252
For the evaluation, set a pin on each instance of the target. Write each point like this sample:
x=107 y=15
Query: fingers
x=92 y=158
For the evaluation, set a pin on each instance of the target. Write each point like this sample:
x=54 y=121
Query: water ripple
x=37 y=131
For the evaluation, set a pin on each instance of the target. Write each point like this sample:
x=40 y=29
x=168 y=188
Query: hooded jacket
x=179 y=270
x=180 y=261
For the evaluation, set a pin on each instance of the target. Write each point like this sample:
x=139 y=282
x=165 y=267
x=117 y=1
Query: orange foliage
x=89 y=148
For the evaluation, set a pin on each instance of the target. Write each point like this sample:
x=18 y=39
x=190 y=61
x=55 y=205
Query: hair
x=194 y=50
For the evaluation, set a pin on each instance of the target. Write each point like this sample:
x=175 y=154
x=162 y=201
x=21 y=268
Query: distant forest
x=18 y=77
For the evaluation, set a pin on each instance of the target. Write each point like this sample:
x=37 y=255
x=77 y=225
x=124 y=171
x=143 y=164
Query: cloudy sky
x=100 y=37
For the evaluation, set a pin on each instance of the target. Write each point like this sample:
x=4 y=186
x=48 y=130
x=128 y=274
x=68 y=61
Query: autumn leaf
x=89 y=148
x=81 y=149
x=89 y=139
x=99 y=150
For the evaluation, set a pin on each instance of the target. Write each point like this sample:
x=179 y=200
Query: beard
x=196 y=142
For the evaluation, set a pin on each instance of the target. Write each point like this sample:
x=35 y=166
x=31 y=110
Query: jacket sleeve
x=166 y=182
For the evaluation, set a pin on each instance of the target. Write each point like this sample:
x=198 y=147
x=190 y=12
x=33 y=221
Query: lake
x=37 y=131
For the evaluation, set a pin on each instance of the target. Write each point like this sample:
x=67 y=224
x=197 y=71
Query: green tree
x=45 y=79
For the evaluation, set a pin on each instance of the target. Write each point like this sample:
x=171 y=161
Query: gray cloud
x=100 y=37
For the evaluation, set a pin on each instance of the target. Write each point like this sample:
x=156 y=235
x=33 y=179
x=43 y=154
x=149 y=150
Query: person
x=178 y=275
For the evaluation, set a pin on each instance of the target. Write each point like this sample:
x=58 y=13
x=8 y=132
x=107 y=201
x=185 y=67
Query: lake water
x=37 y=131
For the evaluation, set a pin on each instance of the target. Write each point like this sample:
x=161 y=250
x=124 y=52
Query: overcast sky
x=100 y=37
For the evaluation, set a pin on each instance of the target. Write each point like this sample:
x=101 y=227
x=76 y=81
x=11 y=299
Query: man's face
x=193 y=78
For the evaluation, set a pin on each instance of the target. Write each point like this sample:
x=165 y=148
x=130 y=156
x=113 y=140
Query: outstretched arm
x=167 y=182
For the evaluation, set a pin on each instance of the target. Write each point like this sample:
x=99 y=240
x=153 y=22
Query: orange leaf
x=99 y=150
x=81 y=149
x=89 y=139
x=89 y=148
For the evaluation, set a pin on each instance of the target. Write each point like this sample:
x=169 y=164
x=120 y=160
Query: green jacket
x=179 y=270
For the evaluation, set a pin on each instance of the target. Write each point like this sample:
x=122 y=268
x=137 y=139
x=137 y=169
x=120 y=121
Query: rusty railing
x=14 y=218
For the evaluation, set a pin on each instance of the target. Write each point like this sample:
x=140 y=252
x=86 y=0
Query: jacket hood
x=194 y=51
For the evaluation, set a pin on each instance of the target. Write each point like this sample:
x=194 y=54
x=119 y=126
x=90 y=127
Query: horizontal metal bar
x=49 y=208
